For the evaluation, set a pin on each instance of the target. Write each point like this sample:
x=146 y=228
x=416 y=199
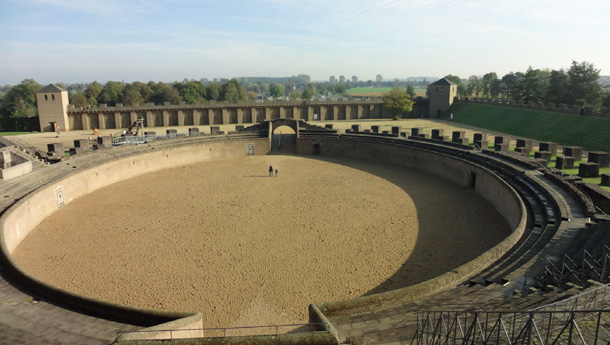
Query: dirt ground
x=224 y=238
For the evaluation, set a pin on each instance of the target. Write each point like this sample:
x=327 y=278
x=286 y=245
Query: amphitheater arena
x=359 y=236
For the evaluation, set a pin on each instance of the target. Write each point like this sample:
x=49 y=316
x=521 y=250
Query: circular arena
x=183 y=235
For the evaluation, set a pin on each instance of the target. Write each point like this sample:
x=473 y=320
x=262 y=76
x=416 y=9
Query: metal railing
x=499 y=328
x=224 y=332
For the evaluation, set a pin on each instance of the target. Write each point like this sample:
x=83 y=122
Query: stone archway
x=284 y=143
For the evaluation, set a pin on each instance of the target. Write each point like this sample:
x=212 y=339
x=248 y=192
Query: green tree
x=397 y=102
x=20 y=100
x=488 y=81
x=559 y=84
x=191 y=92
x=112 y=93
x=411 y=91
x=584 y=86
x=163 y=92
x=475 y=86
x=533 y=85
x=78 y=99
x=232 y=91
x=92 y=92
x=213 y=91
x=276 y=91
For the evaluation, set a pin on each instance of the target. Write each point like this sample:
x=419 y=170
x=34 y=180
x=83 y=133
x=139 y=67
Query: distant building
x=52 y=102
x=441 y=93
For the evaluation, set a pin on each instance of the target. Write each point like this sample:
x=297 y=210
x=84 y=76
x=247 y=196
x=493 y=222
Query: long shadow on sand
x=455 y=224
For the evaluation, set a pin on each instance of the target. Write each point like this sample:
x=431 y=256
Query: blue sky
x=162 y=40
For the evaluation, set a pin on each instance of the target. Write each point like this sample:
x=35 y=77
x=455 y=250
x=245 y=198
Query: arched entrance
x=284 y=133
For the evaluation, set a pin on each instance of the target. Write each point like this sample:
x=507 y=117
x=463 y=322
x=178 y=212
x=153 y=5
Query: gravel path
x=243 y=248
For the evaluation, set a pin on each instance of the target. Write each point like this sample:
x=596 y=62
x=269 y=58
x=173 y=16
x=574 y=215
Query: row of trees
x=578 y=84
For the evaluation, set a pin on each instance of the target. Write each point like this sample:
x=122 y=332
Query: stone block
x=458 y=135
x=436 y=133
x=479 y=137
x=423 y=136
x=55 y=147
x=481 y=144
x=461 y=141
x=328 y=126
x=237 y=128
x=385 y=132
x=548 y=147
x=528 y=144
x=522 y=150
x=194 y=131
x=588 y=170
x=416 y=131
x=564 y=162
x=543 y=155
x=75 y=150
x=403 y=134
x=171 y=133
x=356 y=128
x=215 y=130
x=501 y=147
x=81 y=143
x=367 y=131
x=396 y=130
x=152 y=133
x=500 y=140
x=599 y=157
x=374 y=129
x=573 y=151
x=104 y=141
x=605 y=180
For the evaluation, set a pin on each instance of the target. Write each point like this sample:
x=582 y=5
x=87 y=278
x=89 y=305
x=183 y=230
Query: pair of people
x=271 y=171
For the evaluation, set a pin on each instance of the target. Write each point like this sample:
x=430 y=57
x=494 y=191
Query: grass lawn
x=11 y=133
x=590 y=133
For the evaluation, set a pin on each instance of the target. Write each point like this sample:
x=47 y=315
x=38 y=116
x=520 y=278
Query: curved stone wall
x=25 y=215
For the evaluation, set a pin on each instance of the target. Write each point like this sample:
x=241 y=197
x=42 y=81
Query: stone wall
x=119 y=117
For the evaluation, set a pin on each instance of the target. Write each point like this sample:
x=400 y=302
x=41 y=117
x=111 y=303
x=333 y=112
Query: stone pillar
x=543 y=155
x=437 y=134
x=196 y=117
x=564 y=162
x=605 y=180
x=211 y=113
x=282 y=112
x=117 y=120
x=309 y=113
x=150 y=119
x=267 y=114
x=396 y=130
x=100 y=121
x=416 y=131
x=455 y=135
x=240 y=115
x=165 y=118
x=86 y=121
x=573 y=151
x=359 y=111
x=549 y=147
x=599 y=157
x=215 y=130
x=500 y=140
x=588 y=170
x=374 y=129
x=355 y=128
x=180 y=117
x=335 y=115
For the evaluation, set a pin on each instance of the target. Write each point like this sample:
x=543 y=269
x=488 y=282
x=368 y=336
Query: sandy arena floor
x=243 y=248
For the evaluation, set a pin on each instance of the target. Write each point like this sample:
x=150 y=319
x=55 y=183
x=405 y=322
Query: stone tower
x=442 y=92
x=52 y=102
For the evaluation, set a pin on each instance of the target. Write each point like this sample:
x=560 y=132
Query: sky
x=161 y=40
